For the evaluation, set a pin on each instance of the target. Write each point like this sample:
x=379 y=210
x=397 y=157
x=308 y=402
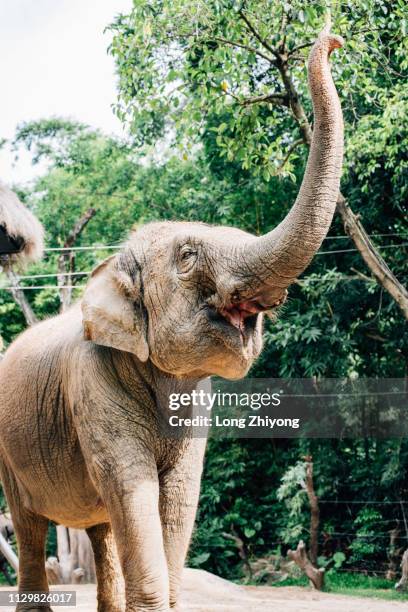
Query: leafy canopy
x=181 y=62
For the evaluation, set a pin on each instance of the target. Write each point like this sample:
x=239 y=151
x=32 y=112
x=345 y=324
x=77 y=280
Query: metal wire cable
x=41 y=287
x=379 y=246
x=53 y=275
x=56 y=274
x=118 y=246
x=83 y=248
x=113 y=247
x=367 y=501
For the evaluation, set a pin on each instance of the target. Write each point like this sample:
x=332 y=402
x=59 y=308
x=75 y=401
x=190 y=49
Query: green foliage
x=365 y=543
x=180 y=61
x=224 y=512
x=292 y=492
x=338 y=559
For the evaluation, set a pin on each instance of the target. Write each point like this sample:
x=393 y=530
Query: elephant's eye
x=187 y=258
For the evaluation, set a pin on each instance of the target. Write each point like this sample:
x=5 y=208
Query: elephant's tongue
x=237 y=314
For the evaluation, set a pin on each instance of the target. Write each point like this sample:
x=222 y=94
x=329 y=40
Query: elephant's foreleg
x=179 y=492
x=111 y=586
x=177 y=524
x=135 y=520
x=31 y=533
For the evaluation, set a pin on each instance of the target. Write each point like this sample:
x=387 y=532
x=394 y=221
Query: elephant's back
x=42 y=340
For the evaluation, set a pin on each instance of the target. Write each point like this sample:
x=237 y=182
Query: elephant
x=82 y=394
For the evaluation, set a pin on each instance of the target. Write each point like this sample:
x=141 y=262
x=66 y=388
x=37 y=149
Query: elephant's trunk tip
x=335 y=42
x=325 y=43
x=329 y=40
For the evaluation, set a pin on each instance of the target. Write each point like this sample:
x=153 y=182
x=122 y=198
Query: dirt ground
x=204 y=592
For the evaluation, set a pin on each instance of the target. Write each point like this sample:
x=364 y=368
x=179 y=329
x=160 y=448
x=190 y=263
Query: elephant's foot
x=41 y=609
x=110 y=607
x=148 y=609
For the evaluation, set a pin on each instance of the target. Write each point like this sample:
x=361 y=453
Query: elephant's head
x=191 y=297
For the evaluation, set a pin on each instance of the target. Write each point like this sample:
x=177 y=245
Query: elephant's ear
x=112 y=308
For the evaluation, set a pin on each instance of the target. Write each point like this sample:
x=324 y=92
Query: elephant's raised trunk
x=281 y=255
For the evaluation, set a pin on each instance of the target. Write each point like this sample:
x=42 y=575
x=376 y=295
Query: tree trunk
x=314 y=511
x=75 y=563
x=315 y=575
x=82 y=554
x=66 y=264
x=20 y=298
x=402 y=585
x=393 y=553
x=372 y=258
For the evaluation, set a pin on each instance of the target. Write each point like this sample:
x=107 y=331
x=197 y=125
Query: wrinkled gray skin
x=81 y=394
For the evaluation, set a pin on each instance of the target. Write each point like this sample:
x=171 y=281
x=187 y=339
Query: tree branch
x=292 y=147
x=275 y=98
x=207 y=38
x=234 y=43
x=239 y=543
x=314 y=511
x=79 y=227
x=256 y=34
x=372 y=258
x=282 y=30
x=294 y=102
x=299 y=48
x=66 y=261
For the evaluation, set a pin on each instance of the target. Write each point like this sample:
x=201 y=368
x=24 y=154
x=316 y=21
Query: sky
x=54 y=62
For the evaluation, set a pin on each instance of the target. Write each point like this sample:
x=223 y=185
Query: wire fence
x=92 y=248
x=379 y=246
x=343 y=277
x=41 y=287
x=391 y=552
x=367 y=501
x=390 y=544
x=97 y=247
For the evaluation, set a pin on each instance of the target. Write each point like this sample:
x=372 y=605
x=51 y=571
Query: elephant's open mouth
x=242 y=315
x=235 y=323
x=237 y=314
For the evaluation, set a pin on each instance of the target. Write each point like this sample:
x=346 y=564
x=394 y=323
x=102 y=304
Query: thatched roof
x=21 y=228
